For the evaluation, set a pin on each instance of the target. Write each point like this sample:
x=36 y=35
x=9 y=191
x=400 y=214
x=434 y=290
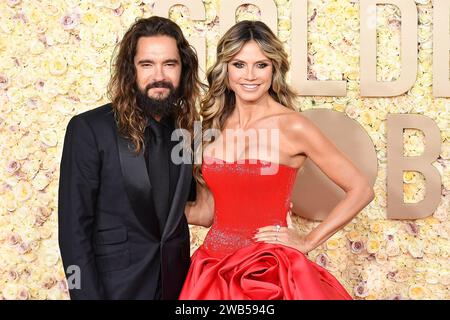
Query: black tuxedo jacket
x=107 y=222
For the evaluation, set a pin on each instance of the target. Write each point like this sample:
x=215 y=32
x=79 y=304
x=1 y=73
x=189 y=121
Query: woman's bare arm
x=333 y=163
x=309 y=140
x=201 y=211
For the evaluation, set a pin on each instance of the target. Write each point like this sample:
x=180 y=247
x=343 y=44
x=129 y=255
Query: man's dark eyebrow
x=171 y=61
x=151 y=61
x=145 y=61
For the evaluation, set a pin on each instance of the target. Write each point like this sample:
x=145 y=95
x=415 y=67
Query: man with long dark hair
x=121 y=195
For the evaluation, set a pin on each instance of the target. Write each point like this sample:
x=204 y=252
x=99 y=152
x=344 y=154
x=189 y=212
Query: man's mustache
x=159 y=84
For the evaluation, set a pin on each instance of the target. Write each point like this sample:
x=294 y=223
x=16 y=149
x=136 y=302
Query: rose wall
x=55 y=63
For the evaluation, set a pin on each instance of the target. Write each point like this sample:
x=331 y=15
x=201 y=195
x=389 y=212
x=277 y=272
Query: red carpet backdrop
x=368 y=61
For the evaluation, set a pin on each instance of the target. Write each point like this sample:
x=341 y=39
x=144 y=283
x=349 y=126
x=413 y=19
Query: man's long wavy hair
x=220 y=101
x=123 y=89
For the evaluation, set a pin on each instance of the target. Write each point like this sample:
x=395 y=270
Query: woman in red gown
x=246 y=178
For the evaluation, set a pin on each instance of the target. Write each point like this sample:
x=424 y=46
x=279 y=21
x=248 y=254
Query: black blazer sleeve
x=192 y=190
x=78 y=188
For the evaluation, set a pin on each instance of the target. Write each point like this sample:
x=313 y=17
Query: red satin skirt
x=259 y=272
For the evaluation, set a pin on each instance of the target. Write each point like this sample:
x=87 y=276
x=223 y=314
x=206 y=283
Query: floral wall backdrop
x=55 y=63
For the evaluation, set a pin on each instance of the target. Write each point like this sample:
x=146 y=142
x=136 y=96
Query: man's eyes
x=171 y=65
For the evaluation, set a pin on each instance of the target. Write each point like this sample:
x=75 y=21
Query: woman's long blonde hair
x=219 y=101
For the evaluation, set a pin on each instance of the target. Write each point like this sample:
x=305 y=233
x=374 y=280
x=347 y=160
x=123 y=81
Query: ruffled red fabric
x=260 y=272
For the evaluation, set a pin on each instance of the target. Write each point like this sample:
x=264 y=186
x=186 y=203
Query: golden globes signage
x=370 y=87
x=312 y=183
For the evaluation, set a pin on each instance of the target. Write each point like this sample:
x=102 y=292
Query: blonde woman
x=258 y=143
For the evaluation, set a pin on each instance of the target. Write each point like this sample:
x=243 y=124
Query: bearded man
x=122 y=191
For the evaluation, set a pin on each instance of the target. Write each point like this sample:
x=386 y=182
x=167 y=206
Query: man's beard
x=162 y=107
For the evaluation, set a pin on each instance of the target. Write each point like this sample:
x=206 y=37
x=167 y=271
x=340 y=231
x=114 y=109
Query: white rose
x=432 y=277
x=51 y=258
x=415 y=249
x=417 y=292
x=49 y=137
x=23 y=191
x=10 y=291
x=373 y=245
x=31 y=168
x=36 y=47
x=40 y=181
x=55 y=293
x=57 y=66
x=442 y=211
x=392 y=248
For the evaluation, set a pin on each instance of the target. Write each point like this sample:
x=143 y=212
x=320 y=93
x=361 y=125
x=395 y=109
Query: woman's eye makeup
x=240 y=65
x=262 y=65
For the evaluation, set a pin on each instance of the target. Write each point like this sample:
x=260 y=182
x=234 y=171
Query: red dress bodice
x=248 y=194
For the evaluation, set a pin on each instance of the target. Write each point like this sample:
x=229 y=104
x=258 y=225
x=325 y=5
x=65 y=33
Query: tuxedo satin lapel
x=137 y=186
x=181 y=190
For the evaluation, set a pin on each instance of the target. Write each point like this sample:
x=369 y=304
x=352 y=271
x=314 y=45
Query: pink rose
x=13 y=239
x=13 y=275
x=12 y=167
x=70 y=21
x=4 y=81
x=357 y=247
x=13 y=3
x=322 y=260
x=412 y=228
x=23 y=248
x=24 y=294
x=391 y=275
x=118 y=12
x=39 y=84
x=49 y=283
x=361 y=290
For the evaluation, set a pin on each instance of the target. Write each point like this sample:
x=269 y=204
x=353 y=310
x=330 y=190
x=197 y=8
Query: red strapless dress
x=230 y=264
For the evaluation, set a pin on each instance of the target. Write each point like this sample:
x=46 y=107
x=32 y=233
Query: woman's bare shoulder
x=294 y=122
